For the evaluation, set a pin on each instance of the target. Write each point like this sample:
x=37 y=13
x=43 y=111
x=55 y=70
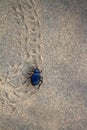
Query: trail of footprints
x=29 y=40
x=29 y=36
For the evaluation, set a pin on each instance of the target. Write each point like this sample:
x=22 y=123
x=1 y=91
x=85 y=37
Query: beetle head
x=36 y=70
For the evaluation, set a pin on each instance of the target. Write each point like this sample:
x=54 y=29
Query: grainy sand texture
x=50 y=34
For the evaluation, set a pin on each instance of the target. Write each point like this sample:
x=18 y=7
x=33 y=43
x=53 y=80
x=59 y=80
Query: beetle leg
x=41 y=71
x=41 y=81
x=41 y=78
x=39 y=85
x=26 y=79
x=29 y=73
x=33 y=68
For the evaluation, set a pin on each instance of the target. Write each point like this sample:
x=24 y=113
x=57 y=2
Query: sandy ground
x=50 y=34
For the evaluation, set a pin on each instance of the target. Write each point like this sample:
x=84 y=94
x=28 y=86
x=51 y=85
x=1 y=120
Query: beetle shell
x=35 y=78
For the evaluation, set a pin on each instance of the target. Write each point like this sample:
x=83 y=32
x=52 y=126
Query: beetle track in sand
x=30 y=36
x=29 y=40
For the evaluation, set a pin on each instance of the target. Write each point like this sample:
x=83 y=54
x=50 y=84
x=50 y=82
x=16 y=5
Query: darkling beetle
x=35 y=77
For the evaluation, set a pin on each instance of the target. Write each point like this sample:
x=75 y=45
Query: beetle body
x=35 y=77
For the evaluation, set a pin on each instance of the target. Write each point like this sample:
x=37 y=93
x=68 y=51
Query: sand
x=50 y=34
